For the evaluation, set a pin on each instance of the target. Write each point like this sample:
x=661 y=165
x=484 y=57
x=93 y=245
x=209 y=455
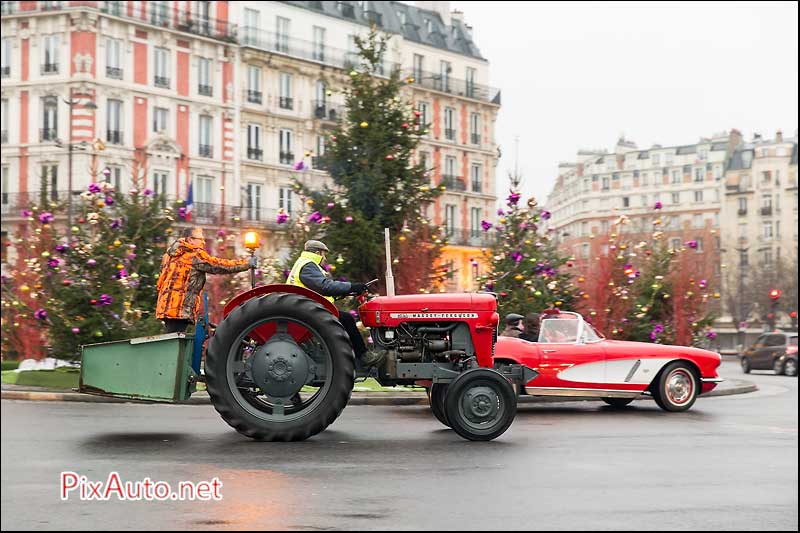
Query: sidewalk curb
x=374 y=398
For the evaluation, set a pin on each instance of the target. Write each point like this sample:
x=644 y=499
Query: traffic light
x=775 y=294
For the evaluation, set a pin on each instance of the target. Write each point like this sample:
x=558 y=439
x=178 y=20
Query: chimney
x=779 y=136
x=440 y=7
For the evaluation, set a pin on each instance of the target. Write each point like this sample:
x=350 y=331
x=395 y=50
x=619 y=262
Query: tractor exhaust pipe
x=389 y=276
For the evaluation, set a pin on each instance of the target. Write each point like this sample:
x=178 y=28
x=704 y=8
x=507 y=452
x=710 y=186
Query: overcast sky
x=577 y=75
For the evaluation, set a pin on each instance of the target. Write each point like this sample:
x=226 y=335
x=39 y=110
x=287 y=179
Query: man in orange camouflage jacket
x=183 y=275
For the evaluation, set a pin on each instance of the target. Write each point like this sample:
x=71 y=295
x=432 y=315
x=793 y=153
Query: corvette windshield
x=560 y=329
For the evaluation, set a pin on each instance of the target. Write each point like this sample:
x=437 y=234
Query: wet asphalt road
x=730 y=463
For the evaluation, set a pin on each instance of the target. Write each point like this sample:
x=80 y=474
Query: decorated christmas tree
x=526 y=271
x=377 y=183
x=644 y=290
x=96 y=278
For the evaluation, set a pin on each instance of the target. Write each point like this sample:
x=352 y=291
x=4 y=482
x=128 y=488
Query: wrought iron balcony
x=114 y=72
x=455 y=86
x=6 y=71
x=475 y=138
x=255 y=153
x=326 y=111
x=318 y=163
x=161 y=81
x=469 y=237
x=4 y=136
x=205 y=150
x=450 y=134
x=13 y=204
x=742 y=212
x=50 y=68
x=453 y=183
x=477 y=186
x=205 y=90
x=47 y=134
x=114 y=137
x=286 y=158
x=766 y=210
x=286 y=102
x=254 y=97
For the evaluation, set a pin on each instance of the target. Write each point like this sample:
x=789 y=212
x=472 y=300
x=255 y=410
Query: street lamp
x=70 y=147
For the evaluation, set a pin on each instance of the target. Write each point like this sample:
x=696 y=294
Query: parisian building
x=226 y=97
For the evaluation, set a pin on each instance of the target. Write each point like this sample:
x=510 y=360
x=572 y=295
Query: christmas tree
x=377 y=183
x=644 y=290
x=526 y=270
x=97 y=278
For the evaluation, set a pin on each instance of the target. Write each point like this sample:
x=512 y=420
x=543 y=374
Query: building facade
x=227 y=97
x=144 y=89
x=600 y=186
x=758 y=220
x=295 y=58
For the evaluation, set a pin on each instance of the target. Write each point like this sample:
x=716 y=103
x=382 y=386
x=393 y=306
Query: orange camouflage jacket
x=183 y=275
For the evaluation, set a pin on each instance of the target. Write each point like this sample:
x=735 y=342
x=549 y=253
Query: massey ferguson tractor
x=280 y=367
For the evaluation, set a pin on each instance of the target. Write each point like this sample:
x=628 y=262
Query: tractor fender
x=261 y=290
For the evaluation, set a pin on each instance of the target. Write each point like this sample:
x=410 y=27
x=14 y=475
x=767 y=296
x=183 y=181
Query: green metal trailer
x=156 y=368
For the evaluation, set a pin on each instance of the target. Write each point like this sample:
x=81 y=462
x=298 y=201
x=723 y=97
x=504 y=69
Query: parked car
x=574 y=360
x=776 y=351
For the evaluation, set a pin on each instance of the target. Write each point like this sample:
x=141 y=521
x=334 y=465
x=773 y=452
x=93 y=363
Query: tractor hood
x=432 y=303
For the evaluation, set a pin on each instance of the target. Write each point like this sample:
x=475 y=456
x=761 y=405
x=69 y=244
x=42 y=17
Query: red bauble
x=66 y=283
x=93 y=301
x=389 y=157
x=504 y=294
x=417 y=113
x=81 y=220
x=405 y=125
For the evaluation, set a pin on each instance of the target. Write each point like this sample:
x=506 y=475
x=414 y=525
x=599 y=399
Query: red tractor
x=280 y=365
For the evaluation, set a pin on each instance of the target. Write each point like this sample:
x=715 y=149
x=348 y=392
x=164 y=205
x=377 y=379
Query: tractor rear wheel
x=480 y=404
x=436 y=396
x=280 y=368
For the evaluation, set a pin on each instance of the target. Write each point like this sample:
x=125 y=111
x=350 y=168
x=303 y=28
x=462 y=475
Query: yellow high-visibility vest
x=294 y=276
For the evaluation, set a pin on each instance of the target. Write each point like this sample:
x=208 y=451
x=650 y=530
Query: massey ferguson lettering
x=434 y=315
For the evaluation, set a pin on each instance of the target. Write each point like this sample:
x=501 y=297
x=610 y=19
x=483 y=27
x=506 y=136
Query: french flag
x=189 y=204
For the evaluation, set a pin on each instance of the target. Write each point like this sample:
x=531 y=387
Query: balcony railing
x=114 y=72
x=326 y=111
x=742 y=212
x=205 y=150
x=48 y=134
x=453 y=183
x=469 y=237
x=12 y=204
x=477 y=186
x=250 y=37
x=4 y=136
x=6 y=71
x=450 y=134
x=254 y=97
x=205 y=90
x=286 y=102
x=49 y=68
x=318 y=163
x=450 y=85
x=114 y=137
x=147 y=13
x=255 y=153
x=286 y=158
x=475 y=138
x=161 y=81
x=766 y=210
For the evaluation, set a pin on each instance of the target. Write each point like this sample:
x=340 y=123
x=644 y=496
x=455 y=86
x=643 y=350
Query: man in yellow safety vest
x=308 y=272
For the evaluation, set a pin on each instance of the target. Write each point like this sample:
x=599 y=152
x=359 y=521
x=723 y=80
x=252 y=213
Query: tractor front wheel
x=480 y=404
x=280 y=368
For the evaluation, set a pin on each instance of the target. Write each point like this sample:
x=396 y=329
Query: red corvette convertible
x=573 y=359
